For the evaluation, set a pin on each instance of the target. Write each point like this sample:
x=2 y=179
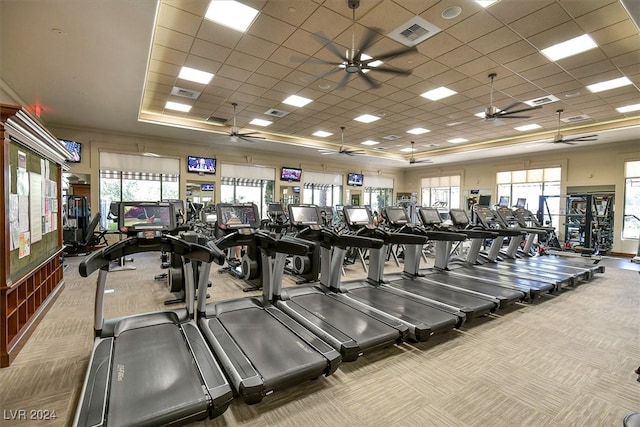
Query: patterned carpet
x=565 y=360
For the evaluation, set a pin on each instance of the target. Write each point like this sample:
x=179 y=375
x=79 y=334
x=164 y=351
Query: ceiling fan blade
x=344 y=80
x=247 y=139
x=585 y=138
x=372 y=83
x=522 y=110
x=509 y=116
x=510 y=106
x=366 y=43
x=392 y=54
x=329 y=44
x=389 y=70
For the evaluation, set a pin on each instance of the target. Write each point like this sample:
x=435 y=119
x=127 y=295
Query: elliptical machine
x=306 y=266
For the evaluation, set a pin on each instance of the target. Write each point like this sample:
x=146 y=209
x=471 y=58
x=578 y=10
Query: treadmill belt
x=153 y=379
x=274 y=350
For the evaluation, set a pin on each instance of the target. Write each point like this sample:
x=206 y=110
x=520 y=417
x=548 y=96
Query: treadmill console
x=486 y=217
x=429 y=216
x=146 y=219
x=304 y=215
x=237 y=216
x=396 y=215
x=357 y=216
x=459 y=217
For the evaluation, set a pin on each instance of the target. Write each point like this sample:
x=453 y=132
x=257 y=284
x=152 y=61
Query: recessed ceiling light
x=457 y=140
x=367 y=118
x=569 y=48
x=324 y=86
x=194 y=75
x=170 y=105
x=528 y=127
x=321 y=133
x=486 y=3
x=439 y=93
x=628 y=108
x=260 y=122
x=609 y=84
x=231 y=14
x=297 y=101
x=451 y=12
x=418 y=131
x=370 y=142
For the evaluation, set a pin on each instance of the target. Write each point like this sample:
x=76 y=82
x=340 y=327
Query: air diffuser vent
x=414 y=31
x=217 y=120
x=578 y=118
x=276 y=113
x=391 y=137
x=185 y=93
x=541 y=101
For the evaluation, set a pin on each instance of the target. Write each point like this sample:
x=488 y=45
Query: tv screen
x=296 y=189
x=290 y=174
x=396 y=215
x=484 y=200
x=355 y=179
x=207 y=187
x=141 y=216
x=238 y=216
x=73 y=147
x=201 y=165
x=459 y=217
x=521 y=203
x=503 y=201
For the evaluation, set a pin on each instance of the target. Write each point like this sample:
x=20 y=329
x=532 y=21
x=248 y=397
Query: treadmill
x=526 y=220
x=397 y=218
x=152 y=368
x=351 y=328
x=422 y=317
x=472 y=304
x=489 y=219
x=532 y=286
x=260 y=348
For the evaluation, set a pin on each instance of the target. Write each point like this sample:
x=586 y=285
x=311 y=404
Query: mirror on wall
x=201 y=192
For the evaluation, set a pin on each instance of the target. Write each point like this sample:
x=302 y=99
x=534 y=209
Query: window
x=631 y=224
x=441 y=191
x=247 y=190
x=378 y=198
x=530 y=184
x=322 y=194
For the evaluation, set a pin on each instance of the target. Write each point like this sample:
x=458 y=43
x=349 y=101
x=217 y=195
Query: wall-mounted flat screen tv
x=355 y=179
x=74 y=148
x=290 y=174
x=201 y=165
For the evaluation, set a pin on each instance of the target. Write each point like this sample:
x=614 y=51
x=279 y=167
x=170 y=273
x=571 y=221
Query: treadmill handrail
x=262 y=239
x=132 y=245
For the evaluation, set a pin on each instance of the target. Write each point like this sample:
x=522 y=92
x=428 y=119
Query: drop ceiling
x=112 y=66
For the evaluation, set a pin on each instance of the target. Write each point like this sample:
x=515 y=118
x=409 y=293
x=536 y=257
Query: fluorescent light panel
x=439 y=93
x=528 y=127
x=418 y=131
x=231 y=14
x=486 y=3
x=297 y=101
x=367 y=118
x=457 y=140
x=569 y=48
x=321 y=133
x=609 y=84
x=176 y=106
x=194 y=75
x=369 y=142
x=628 y=108
x=260 y=122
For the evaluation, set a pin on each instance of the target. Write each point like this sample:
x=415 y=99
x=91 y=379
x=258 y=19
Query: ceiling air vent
x=391 y=137
x=276 y=113
x=578 y=118
x=414 y=31
x=185 y=93
x=217 y=120
x=541 y=101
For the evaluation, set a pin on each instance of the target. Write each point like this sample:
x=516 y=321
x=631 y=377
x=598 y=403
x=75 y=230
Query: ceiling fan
x=343 y=149
x=412 y=159
x=560 y=139
x=352 y=61
x=235 y=135
x=493 y=113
